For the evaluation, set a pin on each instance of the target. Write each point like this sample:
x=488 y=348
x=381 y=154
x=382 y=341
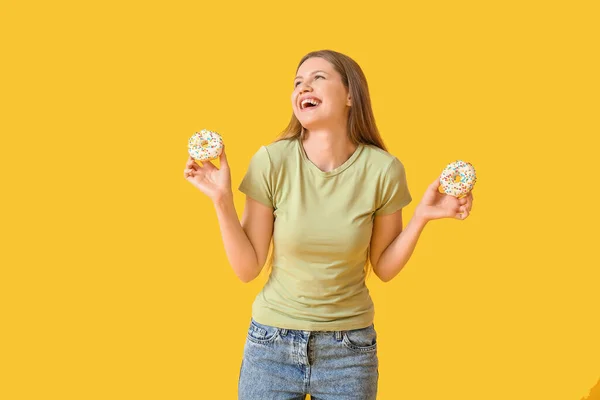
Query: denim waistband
x=284 y=331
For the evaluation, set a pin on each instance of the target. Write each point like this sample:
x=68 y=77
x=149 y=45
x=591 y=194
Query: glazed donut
x=205 y=145
x=458 y=178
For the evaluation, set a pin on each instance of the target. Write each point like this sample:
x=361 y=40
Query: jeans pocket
x=362 y=340
x=262 y=334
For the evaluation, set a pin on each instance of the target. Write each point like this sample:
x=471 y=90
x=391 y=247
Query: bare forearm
x=397 y=254
x=239 y=250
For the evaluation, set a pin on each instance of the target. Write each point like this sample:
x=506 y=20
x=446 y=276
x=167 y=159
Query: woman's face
x=318 y=80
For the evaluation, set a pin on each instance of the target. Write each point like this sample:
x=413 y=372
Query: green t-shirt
x=322 y=230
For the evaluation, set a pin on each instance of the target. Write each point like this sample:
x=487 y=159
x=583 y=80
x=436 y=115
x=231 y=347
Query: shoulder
x=381 y=162
x=270 y=158
x=280 y=147
x=280 y=151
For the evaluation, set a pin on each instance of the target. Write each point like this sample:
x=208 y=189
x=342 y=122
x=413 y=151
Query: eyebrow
x=312 y=73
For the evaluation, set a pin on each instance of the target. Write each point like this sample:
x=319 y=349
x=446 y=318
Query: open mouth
x=309 y=104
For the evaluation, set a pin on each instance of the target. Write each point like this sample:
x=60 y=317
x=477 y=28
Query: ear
x=349 y=101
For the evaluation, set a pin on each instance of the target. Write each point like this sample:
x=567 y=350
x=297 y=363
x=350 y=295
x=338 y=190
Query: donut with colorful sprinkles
x=205 y=145
x=458 y=178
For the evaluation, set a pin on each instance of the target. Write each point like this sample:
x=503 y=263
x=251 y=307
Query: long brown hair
x=361 y=121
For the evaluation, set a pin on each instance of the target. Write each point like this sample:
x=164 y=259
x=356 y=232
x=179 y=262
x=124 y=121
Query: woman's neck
x=326 y=149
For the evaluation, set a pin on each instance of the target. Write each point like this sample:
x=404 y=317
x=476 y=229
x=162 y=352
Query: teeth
x=311 y=101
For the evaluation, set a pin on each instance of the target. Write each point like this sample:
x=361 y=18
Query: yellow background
x=114 y=281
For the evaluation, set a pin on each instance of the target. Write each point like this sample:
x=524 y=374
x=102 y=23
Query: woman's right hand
x=212 y=181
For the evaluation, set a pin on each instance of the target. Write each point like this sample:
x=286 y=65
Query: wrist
x=223 y=200
x=419 y=216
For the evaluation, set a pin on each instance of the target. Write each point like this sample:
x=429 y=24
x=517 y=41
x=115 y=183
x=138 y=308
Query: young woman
x=330 y=197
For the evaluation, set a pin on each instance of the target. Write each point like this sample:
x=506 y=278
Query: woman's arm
x=388 y=262
x=391 y=247
x=246 y=243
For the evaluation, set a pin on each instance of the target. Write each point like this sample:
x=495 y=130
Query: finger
x=462 y=201
x=463 y=213
x=223 y=158
x=189 y=172
x=435 y=186
x=190 y=162
x=193 y=166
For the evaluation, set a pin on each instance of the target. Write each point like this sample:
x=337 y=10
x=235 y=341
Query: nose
x=303 y=87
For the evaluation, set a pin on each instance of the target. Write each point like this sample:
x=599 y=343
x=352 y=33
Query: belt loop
x=338 y=335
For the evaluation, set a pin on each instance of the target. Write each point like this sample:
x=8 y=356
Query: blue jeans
x=286 y=364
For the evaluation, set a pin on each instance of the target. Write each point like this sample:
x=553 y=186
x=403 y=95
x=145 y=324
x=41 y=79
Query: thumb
x=435 y=184
x=223 y=158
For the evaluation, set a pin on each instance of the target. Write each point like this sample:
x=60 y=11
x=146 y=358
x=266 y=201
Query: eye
x=316 y=76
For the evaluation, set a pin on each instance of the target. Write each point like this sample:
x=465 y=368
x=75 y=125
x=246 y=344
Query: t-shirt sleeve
x=257 y=181
x=394 y=193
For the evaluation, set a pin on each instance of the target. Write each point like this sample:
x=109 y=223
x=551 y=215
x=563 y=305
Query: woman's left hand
x=436 y=205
